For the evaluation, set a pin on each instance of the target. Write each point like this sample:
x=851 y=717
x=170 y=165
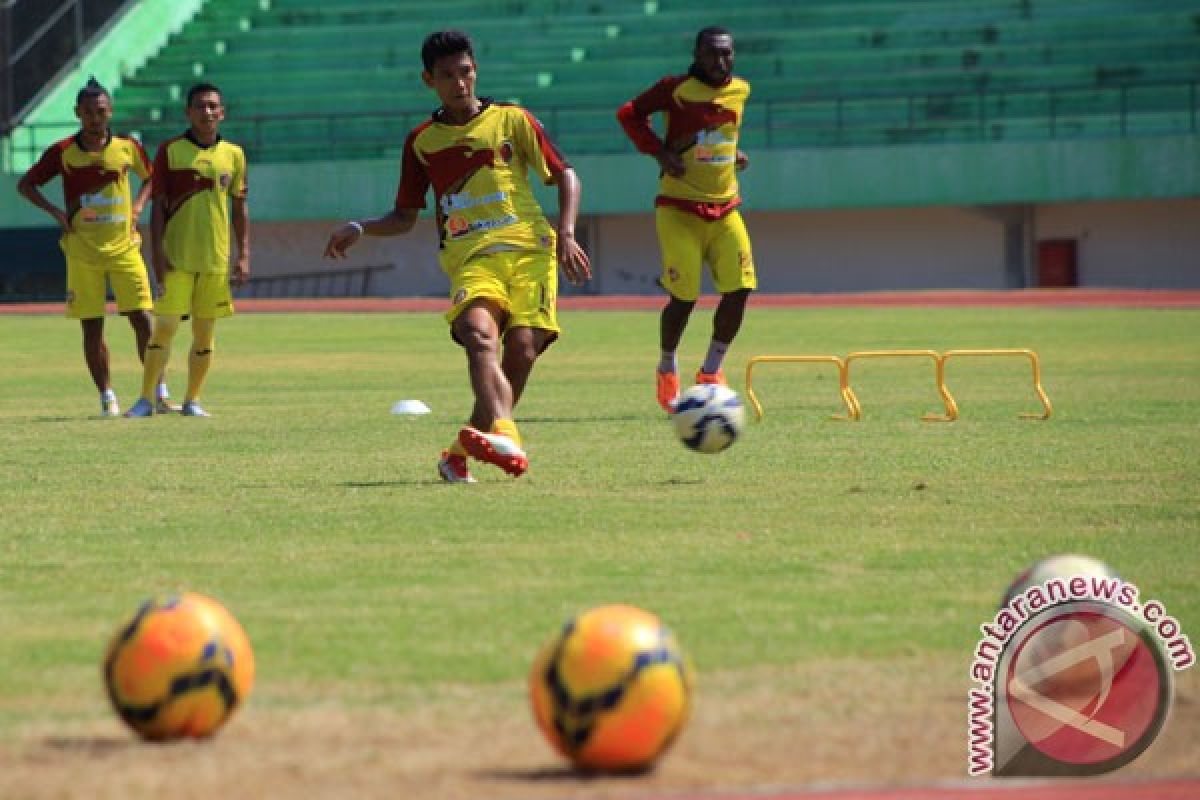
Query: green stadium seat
x=344 y=75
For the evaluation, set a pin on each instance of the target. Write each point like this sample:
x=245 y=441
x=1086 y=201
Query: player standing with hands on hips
x=100 y=237
x=500 y=253
x=696 y=214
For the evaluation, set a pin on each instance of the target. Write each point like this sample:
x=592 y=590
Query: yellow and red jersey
x=196 y=182
x=96 y=193
x=703 y=122
x=479 y=174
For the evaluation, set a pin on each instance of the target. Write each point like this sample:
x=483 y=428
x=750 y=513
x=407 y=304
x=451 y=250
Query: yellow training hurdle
x=850 y=399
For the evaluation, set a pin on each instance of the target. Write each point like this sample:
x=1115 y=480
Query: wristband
x=357 y=226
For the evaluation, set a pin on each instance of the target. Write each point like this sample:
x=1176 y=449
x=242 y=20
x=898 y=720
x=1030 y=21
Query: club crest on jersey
x=459 y=296
x=224 y=181
x=506 y=151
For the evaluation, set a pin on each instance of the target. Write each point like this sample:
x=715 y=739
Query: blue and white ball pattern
x=708 y=418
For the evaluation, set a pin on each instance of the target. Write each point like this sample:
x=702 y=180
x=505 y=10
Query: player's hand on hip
x=64 y=221
x=342 y=239
x=574 y=261
x=671 y=162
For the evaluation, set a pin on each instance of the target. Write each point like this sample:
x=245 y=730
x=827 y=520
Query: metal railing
x=984 y=114
x=38 y=39
x=348 y=282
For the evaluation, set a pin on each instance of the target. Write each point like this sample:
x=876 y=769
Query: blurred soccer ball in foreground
x=611 y=691
x=179 y=667
x=708 y=418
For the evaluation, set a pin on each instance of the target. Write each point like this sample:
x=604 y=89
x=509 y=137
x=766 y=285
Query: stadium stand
x=321 y=79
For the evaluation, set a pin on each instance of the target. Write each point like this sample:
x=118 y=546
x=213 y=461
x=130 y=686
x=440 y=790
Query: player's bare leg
x=492 y=436
x=727 y=321
x=522 y=346
x=672 y=323
x=95 y=354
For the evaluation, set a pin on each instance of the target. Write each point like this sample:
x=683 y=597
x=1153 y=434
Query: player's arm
x=139 y=203
x=571 y=257
x=634 y=117
x=241 y=231
x=395 y=222
x=28 y=187
x=158 y=215
x=158 y=226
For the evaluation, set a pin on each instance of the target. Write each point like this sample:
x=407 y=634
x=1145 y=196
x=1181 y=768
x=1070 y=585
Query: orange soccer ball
x=180 y=667
x=612 y=690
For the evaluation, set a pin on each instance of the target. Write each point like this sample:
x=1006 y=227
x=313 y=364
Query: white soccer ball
x=708 y=418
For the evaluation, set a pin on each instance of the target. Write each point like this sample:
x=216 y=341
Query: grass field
x=368 y=587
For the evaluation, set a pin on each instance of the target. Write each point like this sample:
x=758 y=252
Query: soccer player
x=100 y=237
x=695 y=213
x=198 y=177
x=500 y=253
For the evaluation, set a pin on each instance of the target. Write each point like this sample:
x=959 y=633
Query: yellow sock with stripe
x=457 y=449
x=158 y=353
x=200 y=358
x=506 y=427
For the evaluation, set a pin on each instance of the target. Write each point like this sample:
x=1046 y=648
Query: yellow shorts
x=687 y=242
x=203 y=295
x=87 y=291
x=522 y=282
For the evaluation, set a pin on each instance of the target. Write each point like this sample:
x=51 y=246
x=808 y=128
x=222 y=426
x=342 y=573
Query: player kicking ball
x=500 y=253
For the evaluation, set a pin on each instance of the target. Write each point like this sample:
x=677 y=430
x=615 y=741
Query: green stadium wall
x=868 y=177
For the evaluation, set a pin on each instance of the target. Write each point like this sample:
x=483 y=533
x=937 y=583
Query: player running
x=696 y=214
x=496 y=246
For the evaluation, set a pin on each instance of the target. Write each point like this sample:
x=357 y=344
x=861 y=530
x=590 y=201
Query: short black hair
x=712 y=30
x=91 y=89
x=444 y=43
x=201 y=88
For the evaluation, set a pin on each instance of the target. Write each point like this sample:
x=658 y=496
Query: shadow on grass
x=564 y=774
x=91 y=745
x=391 y=484
x=577 y=420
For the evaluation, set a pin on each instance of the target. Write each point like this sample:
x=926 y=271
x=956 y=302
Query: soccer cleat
x=453 y=468
x=192 y=409
x=667 y=389
x=164 y=406
x=141 y=408
x=716 y=378
x=494 y=448
x=109 y=408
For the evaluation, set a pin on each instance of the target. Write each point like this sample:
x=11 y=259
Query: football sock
x=162 y=393
x=158 y=353
x=506 y=427
x=716 y=355
x=108 y=396
x=200 y=358
x=667 y=362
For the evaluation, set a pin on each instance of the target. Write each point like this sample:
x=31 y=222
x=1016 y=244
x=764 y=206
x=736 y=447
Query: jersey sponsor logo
x=98 y=200
x=460 y=201
x=458 y=226
x=709 y=147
